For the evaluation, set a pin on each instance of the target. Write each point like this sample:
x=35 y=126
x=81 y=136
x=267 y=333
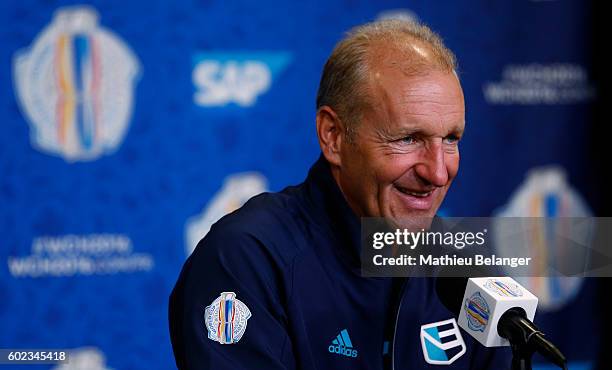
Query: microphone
x=498 y=311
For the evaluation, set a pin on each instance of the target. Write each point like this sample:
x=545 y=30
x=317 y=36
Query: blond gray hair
x=344 y=82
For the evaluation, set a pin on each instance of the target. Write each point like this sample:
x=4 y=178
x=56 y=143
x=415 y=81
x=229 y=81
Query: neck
x=335 y=171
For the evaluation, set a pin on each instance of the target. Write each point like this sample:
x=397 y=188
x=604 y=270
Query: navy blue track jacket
x=277 y=285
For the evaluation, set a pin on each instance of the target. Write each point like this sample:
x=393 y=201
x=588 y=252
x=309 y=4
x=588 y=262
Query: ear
x=330 y=131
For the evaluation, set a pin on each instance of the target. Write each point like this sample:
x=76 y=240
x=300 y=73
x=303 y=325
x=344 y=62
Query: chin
x=414 y=219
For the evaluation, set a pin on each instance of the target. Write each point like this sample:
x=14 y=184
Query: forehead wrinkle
x=432 y=88
x=425 y=108
x=424 y=121
x=408 y=102
x=428 y=121
x=387 y=114
x=390 y=109
x=430 y=103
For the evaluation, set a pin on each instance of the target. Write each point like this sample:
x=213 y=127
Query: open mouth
x=418 y=200
x=418 y=194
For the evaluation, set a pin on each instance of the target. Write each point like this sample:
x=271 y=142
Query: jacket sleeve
x=234 y=261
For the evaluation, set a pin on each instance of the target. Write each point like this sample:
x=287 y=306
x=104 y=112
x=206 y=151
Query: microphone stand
x=521 y=356
x=525 y=339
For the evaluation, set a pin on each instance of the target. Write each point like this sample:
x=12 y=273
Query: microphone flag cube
x=486 y=300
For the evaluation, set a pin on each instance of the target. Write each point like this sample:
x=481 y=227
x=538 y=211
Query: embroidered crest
x=226 y=318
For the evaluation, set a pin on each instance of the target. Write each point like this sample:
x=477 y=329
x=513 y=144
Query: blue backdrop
x=128 y=127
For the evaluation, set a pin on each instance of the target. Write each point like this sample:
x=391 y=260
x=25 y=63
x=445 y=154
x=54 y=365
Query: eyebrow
x=404 y=131
x=458 y=129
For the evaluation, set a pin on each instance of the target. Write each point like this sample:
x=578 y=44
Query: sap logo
x=342 y=345
x=442 y=342
x=223 y=78
x=75 y=86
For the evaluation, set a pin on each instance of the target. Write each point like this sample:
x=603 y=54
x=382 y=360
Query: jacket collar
x=335 y=213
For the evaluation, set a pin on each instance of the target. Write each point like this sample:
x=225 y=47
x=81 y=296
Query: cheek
x=452 y=165
x=394 y=168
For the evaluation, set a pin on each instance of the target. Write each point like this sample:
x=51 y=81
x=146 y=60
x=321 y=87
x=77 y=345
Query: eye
x=408 y=140
x=451 y=139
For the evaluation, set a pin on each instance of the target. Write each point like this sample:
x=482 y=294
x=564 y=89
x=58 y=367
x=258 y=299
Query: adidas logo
x=342 y=345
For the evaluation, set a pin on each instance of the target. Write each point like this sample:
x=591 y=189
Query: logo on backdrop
x=80 y=255
x=546 y=193
x=225 y=77
x=400 y=14
x=90 y=358
x=442 y=342
x=477 y=312
x=540 y=84
x=226 y=318
x=236 y=190
x=75 y=86
x=342 y=345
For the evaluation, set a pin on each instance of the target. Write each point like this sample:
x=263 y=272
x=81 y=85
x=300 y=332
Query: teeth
x=418 y=195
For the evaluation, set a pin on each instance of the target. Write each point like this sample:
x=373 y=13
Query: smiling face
x=404 y=154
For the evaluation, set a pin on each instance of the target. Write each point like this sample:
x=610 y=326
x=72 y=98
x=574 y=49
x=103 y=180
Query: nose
x=432 y=168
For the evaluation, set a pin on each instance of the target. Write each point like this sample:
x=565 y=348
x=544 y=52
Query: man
x=277 y=284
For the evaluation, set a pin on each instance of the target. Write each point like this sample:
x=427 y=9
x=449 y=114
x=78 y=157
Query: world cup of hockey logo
x=75 y=86
x=558 y=228
x=477 y=312
x=226 y=318
x=503 y=289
